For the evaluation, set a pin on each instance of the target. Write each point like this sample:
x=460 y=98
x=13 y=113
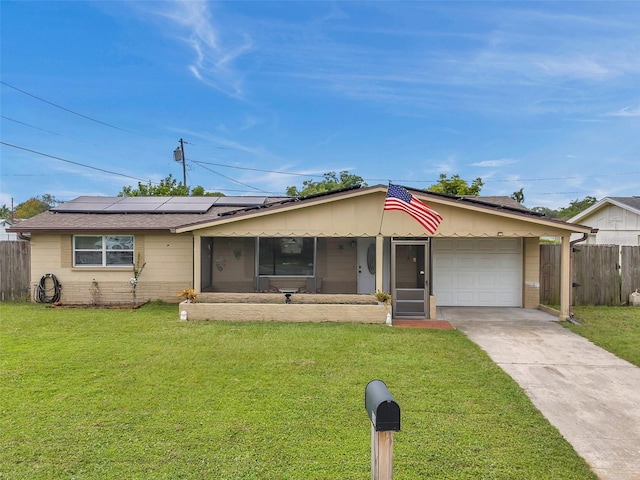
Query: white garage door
x=477 y=272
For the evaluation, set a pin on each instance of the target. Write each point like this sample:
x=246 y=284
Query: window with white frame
x=102 y=250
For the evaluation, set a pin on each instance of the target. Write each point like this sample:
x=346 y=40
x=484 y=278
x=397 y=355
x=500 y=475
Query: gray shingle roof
x=633 y=202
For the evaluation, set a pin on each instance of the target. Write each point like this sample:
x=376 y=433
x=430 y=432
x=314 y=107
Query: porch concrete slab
x=591 y=396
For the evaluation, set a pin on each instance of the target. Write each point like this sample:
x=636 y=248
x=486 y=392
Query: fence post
x=384 y=413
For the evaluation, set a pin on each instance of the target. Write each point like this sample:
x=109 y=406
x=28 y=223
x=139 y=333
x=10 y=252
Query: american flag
x=399 y=199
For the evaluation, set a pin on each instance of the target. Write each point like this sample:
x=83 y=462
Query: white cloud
x=214 y=52
x=501 y=162
x=625 y=112
x=447 y=166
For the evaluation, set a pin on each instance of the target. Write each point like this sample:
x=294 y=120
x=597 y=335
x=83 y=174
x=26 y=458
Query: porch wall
x=285 y=313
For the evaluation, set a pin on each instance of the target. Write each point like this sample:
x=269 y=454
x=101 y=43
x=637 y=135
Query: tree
x=168 y=187
x=547 y=212
x=36 y=205
x=576 y=207
x=518 y=196
x=331 y=181
x=565 y=213
x=5 y=212
x=456 y=186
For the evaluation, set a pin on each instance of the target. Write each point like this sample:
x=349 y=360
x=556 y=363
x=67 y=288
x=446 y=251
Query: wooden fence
x=15 y=265
x=602 y=274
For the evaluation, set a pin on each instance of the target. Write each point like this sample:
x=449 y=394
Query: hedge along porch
x=351 y=245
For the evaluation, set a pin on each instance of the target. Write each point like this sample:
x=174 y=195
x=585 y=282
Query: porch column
x=379 y=261
x=197 y=264
x=565 y=278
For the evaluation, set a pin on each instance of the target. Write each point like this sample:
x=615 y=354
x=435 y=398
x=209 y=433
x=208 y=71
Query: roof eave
x=304 y=202
x=457 y=201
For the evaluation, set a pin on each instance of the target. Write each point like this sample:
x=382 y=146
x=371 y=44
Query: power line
x=41 y=129
x=70 y=111
x=563 y=178
x=259 y=169
x=230 y=179
x=399 y=180
x=76 y=163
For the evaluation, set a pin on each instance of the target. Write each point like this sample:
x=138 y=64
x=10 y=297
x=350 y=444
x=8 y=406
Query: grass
x=616 y=329
x=136 y=394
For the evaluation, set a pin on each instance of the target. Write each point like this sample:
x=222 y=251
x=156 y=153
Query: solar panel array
x=89 y=204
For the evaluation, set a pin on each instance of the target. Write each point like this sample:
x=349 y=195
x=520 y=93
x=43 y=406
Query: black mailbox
x=381 y=407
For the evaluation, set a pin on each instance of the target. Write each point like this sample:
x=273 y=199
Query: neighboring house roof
x=5 y=232
x=628 y=203
x=504 y=201
x=117 y=214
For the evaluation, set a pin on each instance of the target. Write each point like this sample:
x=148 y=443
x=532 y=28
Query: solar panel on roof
x=103 y=200
x=192 y=200
x=198 y=203
x=87 y=204
x=144 y=200
x=240 y=201
x=132 y=208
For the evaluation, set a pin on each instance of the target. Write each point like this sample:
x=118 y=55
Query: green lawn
x=616 y=329
x=94 y=394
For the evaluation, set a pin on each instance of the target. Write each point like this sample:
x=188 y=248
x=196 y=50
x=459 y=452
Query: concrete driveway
x=591 y=396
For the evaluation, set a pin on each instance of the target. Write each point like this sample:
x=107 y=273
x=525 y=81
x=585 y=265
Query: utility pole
x=178 y=156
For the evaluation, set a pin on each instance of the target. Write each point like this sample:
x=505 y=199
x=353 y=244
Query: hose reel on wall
x=52 y=294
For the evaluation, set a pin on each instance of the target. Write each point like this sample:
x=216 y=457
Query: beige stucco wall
x=531 y=273
x=168 y=269
x=285 y=313
x=363 y=216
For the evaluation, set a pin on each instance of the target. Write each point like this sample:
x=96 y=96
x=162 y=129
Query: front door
x=409 y=267
x=366 y=265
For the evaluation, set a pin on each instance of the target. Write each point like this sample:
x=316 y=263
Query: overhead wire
x=229 y=178
x=42 y=129
x=203 y=163
x=111 y=172
x=97 y=121
x=297 y=174
x=399 y=180
x=69 y=110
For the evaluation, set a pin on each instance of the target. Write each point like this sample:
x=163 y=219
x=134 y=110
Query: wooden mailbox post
x=384 y=413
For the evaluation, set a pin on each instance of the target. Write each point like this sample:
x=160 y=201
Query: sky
x=539 y=96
